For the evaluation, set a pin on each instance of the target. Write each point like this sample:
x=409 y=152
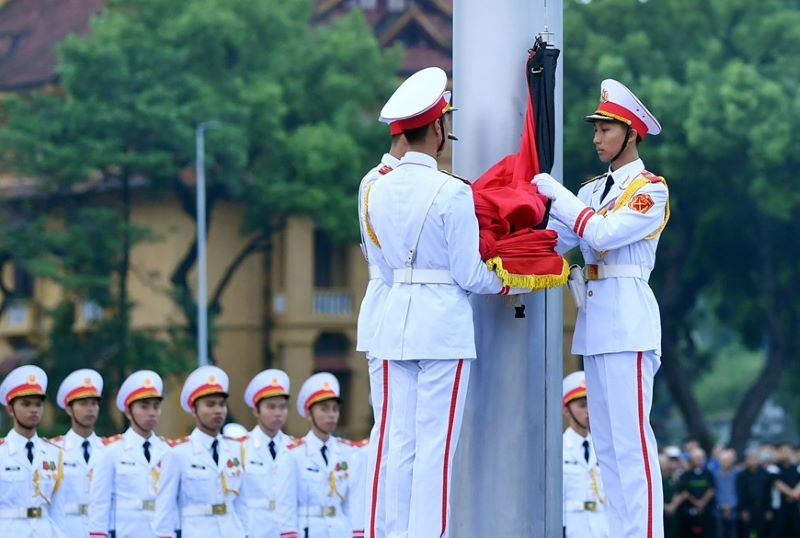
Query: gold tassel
x=334 y=489
x=531 y=282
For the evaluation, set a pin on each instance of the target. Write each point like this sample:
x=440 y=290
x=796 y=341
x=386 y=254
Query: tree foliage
x=296 y=109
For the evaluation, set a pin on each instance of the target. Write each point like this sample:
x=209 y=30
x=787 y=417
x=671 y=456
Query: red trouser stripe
x=644 y=447
x=377 y=473
x=450 y=422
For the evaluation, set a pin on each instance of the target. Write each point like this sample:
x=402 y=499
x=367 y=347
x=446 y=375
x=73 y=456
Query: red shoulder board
x=113 y=439
x=385 y=169
x=298 y=441
x=356 y=444
x=651 y=177
x=176 y=442
x=2 y=440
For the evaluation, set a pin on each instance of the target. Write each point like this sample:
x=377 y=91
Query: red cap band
x=426 y=118
x=620 y=113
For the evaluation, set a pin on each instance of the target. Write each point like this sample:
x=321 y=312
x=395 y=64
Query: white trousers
x=375 y=510
x=426 y=408
x=619 y=388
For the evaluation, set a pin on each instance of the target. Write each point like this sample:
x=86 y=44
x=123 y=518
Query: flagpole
x=509 y=456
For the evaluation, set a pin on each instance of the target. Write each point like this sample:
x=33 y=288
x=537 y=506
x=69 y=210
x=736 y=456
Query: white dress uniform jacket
x=434 y=320
x=372 y=304
x=267 y=502
x=27 y=489
x=84 y=498
x=200 y=491
x=323 y=493
x=584 y=497
x=135 y=482
x=621 y=314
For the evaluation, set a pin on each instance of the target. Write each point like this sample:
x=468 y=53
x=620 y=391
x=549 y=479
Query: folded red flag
x=509 y=208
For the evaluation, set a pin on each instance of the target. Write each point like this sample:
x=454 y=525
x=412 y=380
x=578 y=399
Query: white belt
x=581 y=506
x=134 y=504
x=219 y=509
x=263 y=503
x=374 y=272
x=602 y=271
x=316 y=511
x=34 y=512
x=76 y=509
x=422 y=276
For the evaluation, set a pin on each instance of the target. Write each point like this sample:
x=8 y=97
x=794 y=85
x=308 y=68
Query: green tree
x=721 y=77
x=296 y=106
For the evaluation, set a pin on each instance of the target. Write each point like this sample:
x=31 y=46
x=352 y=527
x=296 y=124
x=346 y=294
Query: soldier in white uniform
x=134 y=457
x=617 y=219
x=584 y=497
x=323 y=460
x=85 y=495
x=202 y=474
x=30 y=467
x=426 y=247
x=368 y=316
x=267 y=501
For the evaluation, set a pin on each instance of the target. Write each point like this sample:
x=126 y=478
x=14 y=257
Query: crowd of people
x=727 y=496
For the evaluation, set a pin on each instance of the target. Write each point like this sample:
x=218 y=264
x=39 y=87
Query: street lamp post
x=202 y=295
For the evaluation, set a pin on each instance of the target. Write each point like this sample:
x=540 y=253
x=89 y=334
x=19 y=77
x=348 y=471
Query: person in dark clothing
x=753 y=488
x=697 y=487
x=787 y=519
x=670 y=471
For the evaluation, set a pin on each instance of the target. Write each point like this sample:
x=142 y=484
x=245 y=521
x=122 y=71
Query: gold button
x=590 y=293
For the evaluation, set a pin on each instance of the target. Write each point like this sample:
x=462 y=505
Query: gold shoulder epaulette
x=113 y=439
x=50 y=442
x=175 y=442
x=296 y=443
x=461 y=179
x=595 y=178
x=355 y=444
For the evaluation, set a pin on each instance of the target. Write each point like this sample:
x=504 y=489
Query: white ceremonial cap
x=204 y=381
x=573 y=387
x=234 y=430
x=266 y=384
x=26 y=380
x=618 y=103
x=140 y=385
x=84 y=383
x=317 y=388
x=420 y=100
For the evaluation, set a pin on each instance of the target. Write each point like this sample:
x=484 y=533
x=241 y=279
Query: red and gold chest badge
x=641 y=203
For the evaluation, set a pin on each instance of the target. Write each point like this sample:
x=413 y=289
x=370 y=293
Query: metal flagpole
x=507 y=471
x=202 y=299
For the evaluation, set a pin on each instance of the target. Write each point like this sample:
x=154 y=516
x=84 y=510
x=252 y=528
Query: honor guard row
x=263 y=484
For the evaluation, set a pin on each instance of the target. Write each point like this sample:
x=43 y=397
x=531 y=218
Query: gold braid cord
x=367 y=224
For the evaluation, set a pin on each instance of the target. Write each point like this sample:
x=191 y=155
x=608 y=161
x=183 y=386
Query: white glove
x=548 y=186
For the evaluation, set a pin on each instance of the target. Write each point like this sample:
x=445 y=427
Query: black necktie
x=609 y=182
x=85 y=446
x=146 y=447
x=324 y=451
x=586 y=450
x=272 y=449
x=214 y=453
x=29 y=446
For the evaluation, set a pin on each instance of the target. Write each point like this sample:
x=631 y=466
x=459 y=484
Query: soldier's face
x=272 y=413
x=580 y=412
x=84 y=411
x=325 y=415
x=27 y=411
x=608 y=139
x=210 y=411
x=145 y=413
